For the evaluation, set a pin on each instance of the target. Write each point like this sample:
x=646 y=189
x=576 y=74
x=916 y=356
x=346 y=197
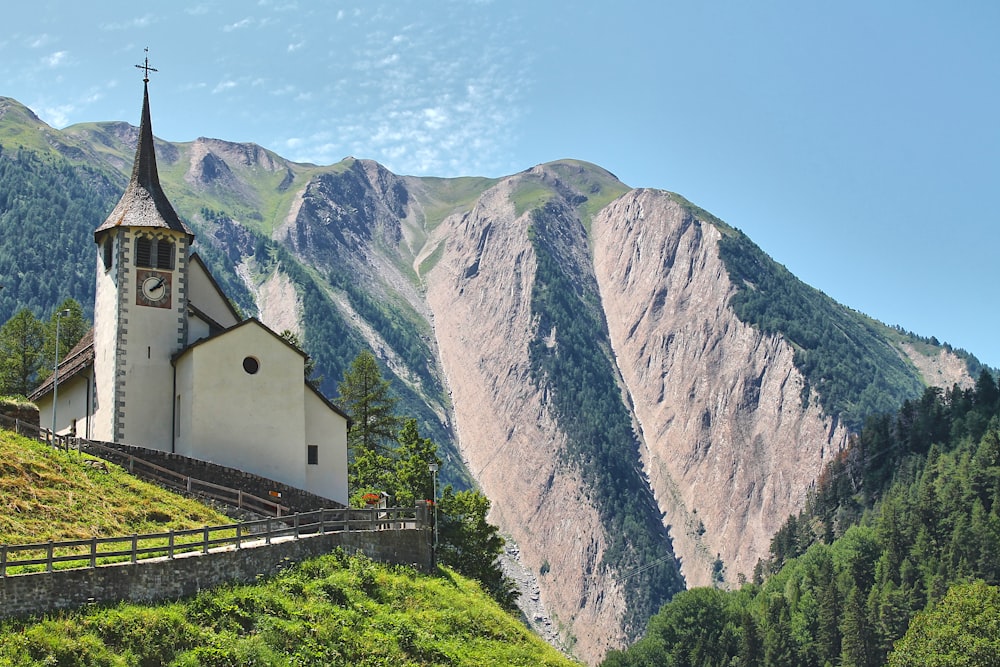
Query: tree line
x=387 y=454
x=28 y=346
x=893 y=561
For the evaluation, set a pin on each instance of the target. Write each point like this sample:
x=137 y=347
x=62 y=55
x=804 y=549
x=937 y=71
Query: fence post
x=347 y=520
x=205 y=543
x=48 y=559
x=267 y=537
x=135 y=547
x=239 y=498
x=170 y=550
x=93 y=552
x=296 y=524
x=3 y=560
x=239 y=541
x=322 y=515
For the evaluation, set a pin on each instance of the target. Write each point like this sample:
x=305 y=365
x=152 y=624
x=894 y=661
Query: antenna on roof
x=146 y=68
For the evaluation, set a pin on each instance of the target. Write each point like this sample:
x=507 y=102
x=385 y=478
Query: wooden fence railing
x=89 y=553
x=150 y=471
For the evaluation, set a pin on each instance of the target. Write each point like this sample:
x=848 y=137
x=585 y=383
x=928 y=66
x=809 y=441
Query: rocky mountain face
x=570 y=343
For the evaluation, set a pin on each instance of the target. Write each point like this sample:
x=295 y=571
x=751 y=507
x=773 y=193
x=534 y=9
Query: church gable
x=240 y=400
x=207 y=298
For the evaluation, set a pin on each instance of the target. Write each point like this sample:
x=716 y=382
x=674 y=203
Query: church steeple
x=144 y=204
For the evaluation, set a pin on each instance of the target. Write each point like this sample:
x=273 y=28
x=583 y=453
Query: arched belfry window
x=154 y=253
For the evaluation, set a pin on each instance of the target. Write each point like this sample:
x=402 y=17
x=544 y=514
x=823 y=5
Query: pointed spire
x=144 y=203
x=144 y=166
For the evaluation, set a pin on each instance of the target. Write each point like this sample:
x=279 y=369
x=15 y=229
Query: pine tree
x=72 y=327
x=365 y=395
x=414 y=480
x=21 y=341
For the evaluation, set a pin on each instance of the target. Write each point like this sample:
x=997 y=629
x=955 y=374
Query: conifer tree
x=414 y=480
x=365 y=395
x=21 y=340
x=72 y=328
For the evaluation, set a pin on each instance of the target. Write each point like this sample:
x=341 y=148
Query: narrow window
x=312 y=453
x=143 y=251
x=164 y=254
x=109 y=247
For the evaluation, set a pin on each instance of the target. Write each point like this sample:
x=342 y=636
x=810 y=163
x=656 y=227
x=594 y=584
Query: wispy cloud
x=57 y=116
x=139 y=22
x=55 y=59
x=39 y=41
x=239 y=25
x=223 y=86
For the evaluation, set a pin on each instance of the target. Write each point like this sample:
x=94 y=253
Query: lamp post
x=55 y=373
x=433 y=467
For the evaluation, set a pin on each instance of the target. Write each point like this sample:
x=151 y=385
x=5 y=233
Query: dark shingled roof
x=79 y=359
x=144 y=204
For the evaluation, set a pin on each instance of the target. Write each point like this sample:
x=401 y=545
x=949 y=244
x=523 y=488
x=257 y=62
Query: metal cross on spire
x=146 y=68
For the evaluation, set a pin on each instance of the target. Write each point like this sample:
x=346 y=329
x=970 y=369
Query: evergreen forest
x=846 y=357
x=893 y=561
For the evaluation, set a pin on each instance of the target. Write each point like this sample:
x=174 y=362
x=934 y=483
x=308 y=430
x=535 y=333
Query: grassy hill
x=50 y=495
x=334 y=610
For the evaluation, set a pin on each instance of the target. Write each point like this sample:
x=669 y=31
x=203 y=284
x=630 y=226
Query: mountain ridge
x=484 y=298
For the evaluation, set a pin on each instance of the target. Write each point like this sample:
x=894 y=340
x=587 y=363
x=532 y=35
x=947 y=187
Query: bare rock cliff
x=729 y=449
x=480 y=293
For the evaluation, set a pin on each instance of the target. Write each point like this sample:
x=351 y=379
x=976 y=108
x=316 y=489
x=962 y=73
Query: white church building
x=170 y=365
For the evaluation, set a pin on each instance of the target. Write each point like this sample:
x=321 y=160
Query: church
x=170 y=365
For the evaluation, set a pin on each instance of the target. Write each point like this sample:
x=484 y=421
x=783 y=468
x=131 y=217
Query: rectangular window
x=312 y=454
x=164 y=254
x=143 y=252
x=109 y=248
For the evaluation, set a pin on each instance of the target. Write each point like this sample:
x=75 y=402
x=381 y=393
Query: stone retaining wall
x=163 y=579
x=297 y=500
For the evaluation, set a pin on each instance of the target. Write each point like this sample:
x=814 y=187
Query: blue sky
x=857 y=142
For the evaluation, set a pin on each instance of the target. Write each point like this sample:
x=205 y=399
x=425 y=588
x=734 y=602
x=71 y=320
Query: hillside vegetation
x=334 y=610
x=879 y=552
x=49 y=494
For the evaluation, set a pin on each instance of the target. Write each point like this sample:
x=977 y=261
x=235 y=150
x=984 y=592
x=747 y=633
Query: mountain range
x=643 y=394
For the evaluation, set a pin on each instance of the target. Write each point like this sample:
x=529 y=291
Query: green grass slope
x=50 y=495
x=334 y=610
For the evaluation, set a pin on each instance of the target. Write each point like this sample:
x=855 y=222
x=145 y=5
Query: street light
x=433 y=467
x=55 y=373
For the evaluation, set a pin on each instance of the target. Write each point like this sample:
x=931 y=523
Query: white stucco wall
x=205 y=297
x=251 y=422
x=328 y=431
x=73 y=405
x=105 y=342
x=197 y=329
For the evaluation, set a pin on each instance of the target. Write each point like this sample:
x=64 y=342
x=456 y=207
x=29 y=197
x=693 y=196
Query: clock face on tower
x=152 y=288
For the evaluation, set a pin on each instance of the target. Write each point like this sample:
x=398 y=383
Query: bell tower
x=140 y=311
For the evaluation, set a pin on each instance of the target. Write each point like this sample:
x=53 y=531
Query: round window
x=251 y=365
